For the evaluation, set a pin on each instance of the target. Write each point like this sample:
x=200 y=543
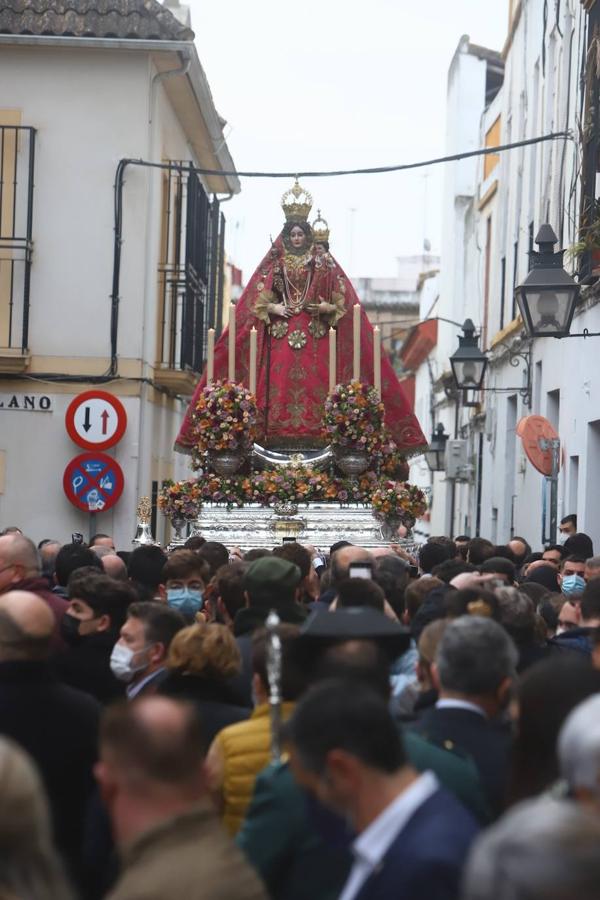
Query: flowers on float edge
x=398 y=500
x=180 y=500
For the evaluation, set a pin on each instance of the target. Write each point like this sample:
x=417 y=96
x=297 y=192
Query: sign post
x=93 y=482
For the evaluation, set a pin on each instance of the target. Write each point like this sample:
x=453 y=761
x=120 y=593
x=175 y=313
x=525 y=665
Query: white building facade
x=493 y=209
x=111 y=269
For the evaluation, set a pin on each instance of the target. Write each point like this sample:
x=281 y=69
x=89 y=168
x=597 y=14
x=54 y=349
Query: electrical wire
x=371 y=170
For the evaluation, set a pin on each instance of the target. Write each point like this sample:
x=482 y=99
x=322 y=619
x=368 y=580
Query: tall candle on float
x=332 y=359
x=252 y=374
x=377 y=360
x=356 y=367
x=210 y=356
x=231 y=345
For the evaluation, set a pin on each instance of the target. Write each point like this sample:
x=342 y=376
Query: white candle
x=210 y=356
x=356 y=367
x=252 y=374
x=332 y=360
x=231 y=367
x=377 y=360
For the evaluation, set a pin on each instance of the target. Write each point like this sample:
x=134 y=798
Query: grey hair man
x=474 y=669
x=579 y=752
x=543 y=848
x=592 y=568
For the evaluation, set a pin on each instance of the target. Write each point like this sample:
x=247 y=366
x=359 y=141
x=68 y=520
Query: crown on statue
x=320 y=229
x=296 y=203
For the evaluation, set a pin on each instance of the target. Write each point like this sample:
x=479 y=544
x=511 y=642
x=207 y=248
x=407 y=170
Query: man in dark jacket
x=90 y=628
x=580 y=638
x=475 y=664
x=55 y=724
x=412 y=836
x=269 y=583
x=21 y=570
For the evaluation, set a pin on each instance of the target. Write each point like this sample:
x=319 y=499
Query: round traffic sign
x=93 y=482
x=96 y=420
x=531 y=430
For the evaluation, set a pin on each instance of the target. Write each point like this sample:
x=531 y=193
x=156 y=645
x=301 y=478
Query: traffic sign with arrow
x=96 y=420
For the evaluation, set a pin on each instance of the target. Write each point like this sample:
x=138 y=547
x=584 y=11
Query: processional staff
x=274 y=662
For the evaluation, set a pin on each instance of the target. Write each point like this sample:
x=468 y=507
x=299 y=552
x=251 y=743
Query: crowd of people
x=431 y=729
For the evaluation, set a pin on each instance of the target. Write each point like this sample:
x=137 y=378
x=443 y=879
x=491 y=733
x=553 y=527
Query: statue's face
x=297 y=237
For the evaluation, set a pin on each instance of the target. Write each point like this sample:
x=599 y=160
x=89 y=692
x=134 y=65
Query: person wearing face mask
x=90 y=627
x=185 y=577
x=567 y=527
x=139 y=657
x=580 y=639
x=570 y=577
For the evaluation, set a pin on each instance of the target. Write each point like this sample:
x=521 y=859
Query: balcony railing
x=188 y=275
x=17 y=157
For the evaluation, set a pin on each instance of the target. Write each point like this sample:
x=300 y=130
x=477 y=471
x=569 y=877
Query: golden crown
x=320 y=229
x=296 y=203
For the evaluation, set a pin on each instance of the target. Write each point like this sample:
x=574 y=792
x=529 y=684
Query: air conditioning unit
x=457 y=465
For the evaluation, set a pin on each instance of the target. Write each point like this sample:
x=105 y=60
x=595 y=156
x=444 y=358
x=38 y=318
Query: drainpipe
x=158 y=78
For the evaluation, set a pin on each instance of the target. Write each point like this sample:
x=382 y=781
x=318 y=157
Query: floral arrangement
x=298 y=485
x=180 y=500
x=398 y=500
x=391 y=462
x=354 y=417
x=224 y=418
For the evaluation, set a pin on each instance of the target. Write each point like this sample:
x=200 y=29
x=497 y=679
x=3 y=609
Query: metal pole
x=274 y=663
x=553 y=444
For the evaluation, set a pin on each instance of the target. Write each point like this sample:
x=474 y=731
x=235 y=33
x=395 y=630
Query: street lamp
x=435 y=453
x=548 y=296
x=468 y=362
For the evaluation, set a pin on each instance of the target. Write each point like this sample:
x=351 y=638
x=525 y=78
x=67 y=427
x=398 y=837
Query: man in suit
x=139 y=657
x=474 y=668
x=412 y=836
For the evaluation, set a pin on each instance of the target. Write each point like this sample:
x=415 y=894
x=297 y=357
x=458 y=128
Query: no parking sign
x=93 y=482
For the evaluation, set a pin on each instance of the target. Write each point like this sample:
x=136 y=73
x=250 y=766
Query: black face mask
x=69 y=630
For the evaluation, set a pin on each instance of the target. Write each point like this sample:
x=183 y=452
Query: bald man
x=57 y=725
x=343 y=558
x=151 y=776
x=21 y=569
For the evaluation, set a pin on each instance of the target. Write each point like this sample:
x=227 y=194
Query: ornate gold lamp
x=143 y=534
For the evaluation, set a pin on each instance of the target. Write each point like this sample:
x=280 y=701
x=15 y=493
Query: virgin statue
x=297 y=293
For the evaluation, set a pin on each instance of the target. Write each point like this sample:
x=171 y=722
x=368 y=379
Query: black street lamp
x=548 y=296
x=435 y=453
x=468 y=362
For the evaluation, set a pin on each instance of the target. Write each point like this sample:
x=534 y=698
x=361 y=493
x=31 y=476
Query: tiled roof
x=137 y=19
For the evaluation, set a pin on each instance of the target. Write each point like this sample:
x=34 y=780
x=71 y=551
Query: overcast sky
x=338 y=84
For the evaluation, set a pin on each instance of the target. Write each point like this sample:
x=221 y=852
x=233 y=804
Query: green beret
x=270 y=574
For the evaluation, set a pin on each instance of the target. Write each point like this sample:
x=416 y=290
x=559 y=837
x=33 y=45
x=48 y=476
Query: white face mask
x=121 y=662
x=562 y=537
